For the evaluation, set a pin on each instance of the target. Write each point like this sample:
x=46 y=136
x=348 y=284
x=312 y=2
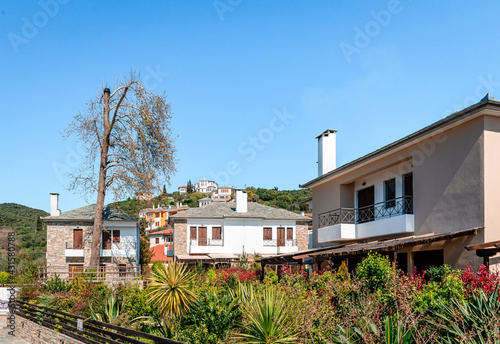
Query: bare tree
x=129 y=146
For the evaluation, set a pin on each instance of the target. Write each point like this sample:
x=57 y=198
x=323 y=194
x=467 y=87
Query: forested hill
x=31 y=236
x=14 y=215
x=284 y=199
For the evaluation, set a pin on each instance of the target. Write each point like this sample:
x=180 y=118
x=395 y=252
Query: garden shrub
x=434 y=293
x=4 y=277
x=270 y=277
x=56 y=284
x=438 y=273
x=375 y=272
x=210 y=320
x=483 y=279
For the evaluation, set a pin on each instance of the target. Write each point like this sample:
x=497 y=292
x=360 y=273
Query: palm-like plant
x=111 y=314
x=268 y=321
x=170 y=288
x=475 y=321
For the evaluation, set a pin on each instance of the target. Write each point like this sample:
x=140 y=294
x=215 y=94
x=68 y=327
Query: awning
x=360 y=248
x=192 y=257
x=223 y=256
x=486 y=250
x=393 y=244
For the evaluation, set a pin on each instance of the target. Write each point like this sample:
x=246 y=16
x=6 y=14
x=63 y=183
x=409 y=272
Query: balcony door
x=77 y=239
x=281 y=236
x=366 y=200
x=202 y=236
x=408 y=193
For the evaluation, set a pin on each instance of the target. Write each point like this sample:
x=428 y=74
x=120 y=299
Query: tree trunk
x=95 y=248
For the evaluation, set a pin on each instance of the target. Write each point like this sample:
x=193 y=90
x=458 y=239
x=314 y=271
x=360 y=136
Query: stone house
x=69 y=236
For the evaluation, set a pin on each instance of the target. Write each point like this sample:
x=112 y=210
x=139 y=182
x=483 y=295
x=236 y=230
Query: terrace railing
x=83 y=329
x=207 y=242
x=398 y=206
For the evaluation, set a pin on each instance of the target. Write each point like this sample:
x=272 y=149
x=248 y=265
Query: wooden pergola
x=486 y=250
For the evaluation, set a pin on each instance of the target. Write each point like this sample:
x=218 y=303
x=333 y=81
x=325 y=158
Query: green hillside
x=31 y=236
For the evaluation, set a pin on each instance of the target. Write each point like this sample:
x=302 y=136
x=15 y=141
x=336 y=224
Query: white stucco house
x=224 y=231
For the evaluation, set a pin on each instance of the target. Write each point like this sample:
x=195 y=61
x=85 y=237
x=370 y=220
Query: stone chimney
x=54 y=204
x=241 y=201
x=327 y=155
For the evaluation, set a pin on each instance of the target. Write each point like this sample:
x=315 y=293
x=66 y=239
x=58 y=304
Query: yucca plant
x=394 y=333
x=475 y=321
x=111 y=314
x=268 y=321
x=170 y=289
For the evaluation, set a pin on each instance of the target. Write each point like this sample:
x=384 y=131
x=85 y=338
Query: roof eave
x=426 y=130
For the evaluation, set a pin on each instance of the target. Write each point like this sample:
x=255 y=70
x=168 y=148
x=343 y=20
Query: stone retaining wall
x=36 y=334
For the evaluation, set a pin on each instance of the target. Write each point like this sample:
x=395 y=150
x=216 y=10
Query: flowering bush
x=480 y=279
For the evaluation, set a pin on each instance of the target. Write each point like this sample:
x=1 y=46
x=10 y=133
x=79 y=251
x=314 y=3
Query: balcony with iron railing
x=207 y=242
x=276 y=243
x=393 y=216
x=119 y=249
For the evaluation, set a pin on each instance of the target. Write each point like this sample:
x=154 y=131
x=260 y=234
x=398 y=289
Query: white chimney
x=241 y=201
x=54 y=204
x=327 y=160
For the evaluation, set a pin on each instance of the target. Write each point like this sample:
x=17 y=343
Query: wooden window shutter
x=216 y=233
x=268 y=233
x=289 y=233
x=116 y=235
x=193 y=233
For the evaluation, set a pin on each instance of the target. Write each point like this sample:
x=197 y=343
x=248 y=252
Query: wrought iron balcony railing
x=276 y=243
x=76 y=245
x=207 y=242
x=398 y=206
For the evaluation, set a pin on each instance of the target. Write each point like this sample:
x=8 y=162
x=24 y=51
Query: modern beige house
x=429 y=198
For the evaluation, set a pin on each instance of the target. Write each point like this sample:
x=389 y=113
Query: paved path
x=6 y=338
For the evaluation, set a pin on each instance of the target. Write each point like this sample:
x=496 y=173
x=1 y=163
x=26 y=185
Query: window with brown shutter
x=216 y=233
x=281 y=236
x=268 y=233
x=157 y=241
x=116 y=235
x=106 y=240
x=289 y=233
x=193 y=233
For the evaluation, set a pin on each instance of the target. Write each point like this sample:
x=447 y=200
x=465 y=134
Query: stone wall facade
x=60 y=236
x=37 y=334
x=302 y=236
x=180 y=238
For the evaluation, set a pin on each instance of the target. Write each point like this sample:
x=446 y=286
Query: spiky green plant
x=268 y=321
x=475 y=321
x=111 y=314
x=170 y=289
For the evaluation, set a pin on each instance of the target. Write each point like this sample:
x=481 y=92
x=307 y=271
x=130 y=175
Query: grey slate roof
x=87 y=214
x=217 y=210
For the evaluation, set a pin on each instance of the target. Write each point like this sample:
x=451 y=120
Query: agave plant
x=268 y=321
x=394 y=333
x=475 y=321
x=170 y=289
x=111 y=314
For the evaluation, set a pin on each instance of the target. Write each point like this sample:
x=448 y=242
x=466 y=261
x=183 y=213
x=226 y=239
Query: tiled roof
x=159 y=254
x=164 y=232
x=223 y=209
x=87 y=214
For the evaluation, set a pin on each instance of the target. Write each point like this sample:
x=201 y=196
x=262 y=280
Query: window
x=216 y=233
x=289 y=233
x=193 y=233
x=106 y=240
x=281 y=236
x=157 y=241
x=122 y=268
x=390 y=193
x=116 y=235
x=77 y=239
x=268 y=233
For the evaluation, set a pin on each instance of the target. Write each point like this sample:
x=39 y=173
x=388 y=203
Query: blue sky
x=251 y=83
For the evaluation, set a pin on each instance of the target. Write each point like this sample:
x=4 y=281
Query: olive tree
x=128 y=144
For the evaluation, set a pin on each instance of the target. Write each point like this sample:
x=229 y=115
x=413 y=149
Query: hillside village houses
x=211 y=188
x=69 y=235
x=158 y=217
x=427 y=199
x=161 y=245
x=224 y=231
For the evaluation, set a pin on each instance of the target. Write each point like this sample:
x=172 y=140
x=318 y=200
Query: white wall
x=240 y=235
x=129 y=233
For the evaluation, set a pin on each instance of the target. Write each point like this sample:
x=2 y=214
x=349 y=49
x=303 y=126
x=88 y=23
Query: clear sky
x=251 y=83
